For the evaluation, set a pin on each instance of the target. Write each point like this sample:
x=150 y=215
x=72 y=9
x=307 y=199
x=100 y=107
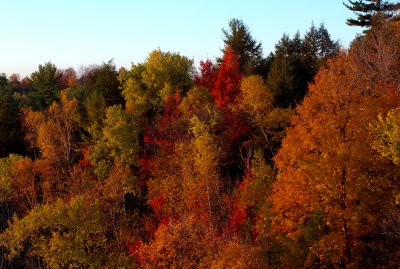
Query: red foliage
x=167 y=130
x=157 y=203
x=134 y=247
x=227 y=85
x=208 y=75
x=85 y=162
x=237 y=217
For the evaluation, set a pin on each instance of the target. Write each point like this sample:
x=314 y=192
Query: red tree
x=227 y=85
x=208 y=75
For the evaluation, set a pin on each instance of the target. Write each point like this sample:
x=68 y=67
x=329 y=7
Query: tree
x=71 y=234
x=255 y=100
x=53 y=132
x=295 y=63
x=45 y=82
x=226 y=86
x=117 y=141
x=319 y=45
x=326 y=164
x=372 y=12
x=248 y=50
x=207 y=76
x=166 y=69
x=10 y=123
x=290 y=72
x=183 y=244
x=377 y=54
x=146 y=86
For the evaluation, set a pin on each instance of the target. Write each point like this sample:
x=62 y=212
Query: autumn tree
x=185 y=244
x=117 y=141
x=255 y=100
x=207 y=76
x=185 y=195
x=72 y=234
x=377 y=53
x=326 y=165
x=53 y=132
x=147 y=85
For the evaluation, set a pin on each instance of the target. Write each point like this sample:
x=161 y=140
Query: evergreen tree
x=372 y=12
x=290 y=71
x=45 y=82
x=248 y=50
x=10 y=141
x=295 y=63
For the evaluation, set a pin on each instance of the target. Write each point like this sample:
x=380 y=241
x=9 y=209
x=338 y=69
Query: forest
x=286 y=161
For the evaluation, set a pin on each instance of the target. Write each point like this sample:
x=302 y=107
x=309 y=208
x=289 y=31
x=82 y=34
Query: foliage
x=45 y=82
x=61 y=234
x=248 y=50
x=296 y=62
x=332 y=168
x=371 y=12
x=289 y=161
x=227 y=83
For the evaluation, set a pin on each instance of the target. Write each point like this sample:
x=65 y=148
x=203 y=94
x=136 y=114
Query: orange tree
x=331 y=183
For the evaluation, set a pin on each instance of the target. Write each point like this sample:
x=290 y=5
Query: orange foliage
x=326 y=161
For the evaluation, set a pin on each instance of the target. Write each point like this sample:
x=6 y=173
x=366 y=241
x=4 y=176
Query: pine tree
x=248 y=50
x=372 y=12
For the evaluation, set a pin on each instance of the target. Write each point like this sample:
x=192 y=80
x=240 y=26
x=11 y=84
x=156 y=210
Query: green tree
x=372 y=12
x=248 y=50
x=318 y=44
x=289 y=72
x=146 y=86
x=45 y=82
x=61 y=235
x=104 y=81
x=10 y=126
x=295 y=63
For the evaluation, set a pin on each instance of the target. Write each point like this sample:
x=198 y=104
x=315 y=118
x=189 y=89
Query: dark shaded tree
x=295 y=63
x=10 y=138
x=248 y=50
x=372 y=12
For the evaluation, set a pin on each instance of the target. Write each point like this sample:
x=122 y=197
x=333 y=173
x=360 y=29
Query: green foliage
x=6 y=189
x=371 y=12
x=95 y=106
x=63 y=235
x=104 y=81
x=146 y=86
x=167 y=68
x=10 y=125
x=45 y=82
x=387 y=133
x=296 y=62
x=248 y=50
x=118 y=140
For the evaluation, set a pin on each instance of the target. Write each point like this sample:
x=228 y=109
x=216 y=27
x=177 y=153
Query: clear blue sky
x=72 y=33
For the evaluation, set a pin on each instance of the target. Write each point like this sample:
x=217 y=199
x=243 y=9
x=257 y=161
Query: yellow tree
x=53 y=131
x=53 y=134
x=255 y=100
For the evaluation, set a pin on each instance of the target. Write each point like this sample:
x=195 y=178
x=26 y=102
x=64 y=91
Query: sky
x=76 y=33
